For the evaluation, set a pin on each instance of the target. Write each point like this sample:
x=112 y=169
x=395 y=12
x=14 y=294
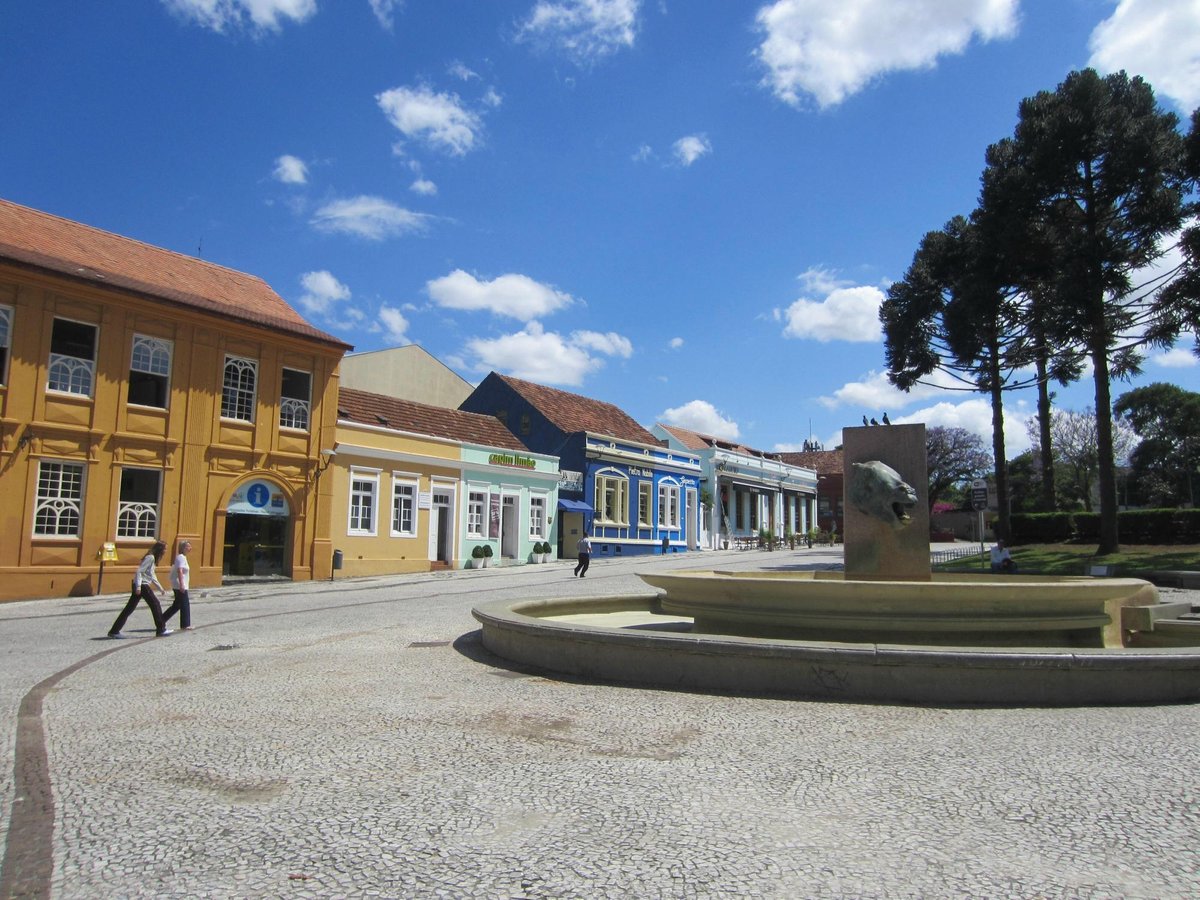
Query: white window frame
x=619 y=482
x=295 y=412
x=6 y=320
x=234 y=397
x=538 y=504
x=646 y=490
x=72 y=374
x=668 y=504
x=157 y=354
x=404 y=486
x=59 y=500
x=141 y=514
x=478 y=510
x=364 y=486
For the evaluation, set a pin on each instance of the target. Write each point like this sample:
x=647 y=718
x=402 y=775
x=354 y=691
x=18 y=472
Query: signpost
x=979 y=502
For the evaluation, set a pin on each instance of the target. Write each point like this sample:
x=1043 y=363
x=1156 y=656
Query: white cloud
x=1157 y=39
x=385 y=11
x=395 y=326
x=369 y=217
x=975 y=416
x=643 y=153
x=492 y=98
x=536 y=355
x=691 y=148
x=321 y=291
x=461 y=71
x=438 y=119
x=424 y=187
x=701 y=416
x=675 y=343
x=609 y=343
x=845 y=313
x=874 y=393
x=518 y=296
x=586 y=30
x=831 y=49
x=1177 y=357
x=290 y=170
x=259 y=15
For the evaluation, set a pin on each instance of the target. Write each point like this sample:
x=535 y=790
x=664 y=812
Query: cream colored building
x=408 y=373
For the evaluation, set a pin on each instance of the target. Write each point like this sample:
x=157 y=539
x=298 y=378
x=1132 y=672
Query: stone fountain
x=887 y=629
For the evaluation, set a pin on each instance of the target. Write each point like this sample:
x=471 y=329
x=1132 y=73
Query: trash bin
x=337 y=563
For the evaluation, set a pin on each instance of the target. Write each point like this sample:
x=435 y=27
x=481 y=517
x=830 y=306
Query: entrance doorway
x=441 y=526
x=508 y=527
x=258 y=532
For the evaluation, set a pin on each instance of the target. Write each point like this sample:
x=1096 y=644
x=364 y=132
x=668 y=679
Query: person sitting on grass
x=1002 y=560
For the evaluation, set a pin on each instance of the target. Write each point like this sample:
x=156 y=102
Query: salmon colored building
x=146 y=395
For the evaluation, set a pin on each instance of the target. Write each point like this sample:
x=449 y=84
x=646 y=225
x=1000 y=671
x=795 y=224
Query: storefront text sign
x=511 y=459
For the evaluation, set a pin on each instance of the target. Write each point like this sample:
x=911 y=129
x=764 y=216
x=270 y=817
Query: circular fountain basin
x=636 y=640
x=974 y=610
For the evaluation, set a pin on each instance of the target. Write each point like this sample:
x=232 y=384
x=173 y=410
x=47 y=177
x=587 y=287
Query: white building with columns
x=745 y=490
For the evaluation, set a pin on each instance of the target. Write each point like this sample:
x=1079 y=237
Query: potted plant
x=543 y=551
x=477 y=557
x=487 y=556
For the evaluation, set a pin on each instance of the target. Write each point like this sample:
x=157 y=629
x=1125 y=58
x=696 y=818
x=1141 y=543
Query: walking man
x=585 y=556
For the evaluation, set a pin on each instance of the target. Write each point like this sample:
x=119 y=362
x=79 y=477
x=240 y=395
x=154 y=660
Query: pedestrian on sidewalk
x=142 y=590
x=585 y=557
x=179 y=586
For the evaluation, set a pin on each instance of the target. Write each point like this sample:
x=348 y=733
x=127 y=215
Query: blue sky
x=689 y=208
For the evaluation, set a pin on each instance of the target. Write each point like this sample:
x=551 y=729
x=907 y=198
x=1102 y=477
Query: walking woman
x=179 y=584
x=142 y=590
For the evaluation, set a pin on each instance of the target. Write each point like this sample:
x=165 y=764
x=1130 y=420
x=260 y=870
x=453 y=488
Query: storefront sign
x=570 y=481
x=512 y=459
x=258 y=498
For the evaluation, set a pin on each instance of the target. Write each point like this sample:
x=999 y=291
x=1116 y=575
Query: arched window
x=237 y=393
x=612 y=497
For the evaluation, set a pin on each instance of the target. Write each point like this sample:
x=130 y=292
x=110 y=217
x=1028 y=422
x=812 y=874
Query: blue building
x=618 y=482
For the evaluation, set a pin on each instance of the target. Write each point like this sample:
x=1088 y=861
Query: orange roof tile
x=382 y=411
x=824 y=462
x=36 y=239
x=695 y=440
x=571 y=413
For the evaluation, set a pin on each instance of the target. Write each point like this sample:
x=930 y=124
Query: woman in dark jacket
x=142 y=590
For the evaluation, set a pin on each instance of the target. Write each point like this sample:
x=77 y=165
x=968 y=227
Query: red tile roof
x=571 y=413
x=825 y=462
x=36 y=239
x=695 y=440
x=379 y=410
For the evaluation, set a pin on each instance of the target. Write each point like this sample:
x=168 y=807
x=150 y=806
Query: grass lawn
x=1073 y=559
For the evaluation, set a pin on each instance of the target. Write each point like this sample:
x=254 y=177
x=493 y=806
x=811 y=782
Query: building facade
x=746 y=490
x=831 y=503
x=146 y=395
x=417 y=487
x=620 y=485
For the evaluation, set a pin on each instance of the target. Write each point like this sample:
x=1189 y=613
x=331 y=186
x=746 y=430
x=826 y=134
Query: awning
x=574 y=506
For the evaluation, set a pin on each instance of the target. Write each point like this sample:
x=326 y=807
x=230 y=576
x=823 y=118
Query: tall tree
x=1075 y=446
x=954 y=456
x=953 y=312
x=1166 y=462
x=1098 y=168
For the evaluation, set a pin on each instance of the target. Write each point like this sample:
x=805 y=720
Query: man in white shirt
x=1002 y=560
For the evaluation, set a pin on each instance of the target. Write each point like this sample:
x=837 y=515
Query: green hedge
x=1135 y=526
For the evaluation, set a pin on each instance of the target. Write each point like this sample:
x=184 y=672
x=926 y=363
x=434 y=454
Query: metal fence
x=943 y=556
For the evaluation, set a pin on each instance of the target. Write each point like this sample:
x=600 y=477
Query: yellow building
x=419 y=487
x=149 y=395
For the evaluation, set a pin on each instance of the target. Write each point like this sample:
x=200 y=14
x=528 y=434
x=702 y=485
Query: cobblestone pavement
x=355 y=740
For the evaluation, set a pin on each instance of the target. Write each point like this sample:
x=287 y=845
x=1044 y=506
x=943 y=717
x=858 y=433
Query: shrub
x=487 y=551
x=477 y=552
x=1041 y=528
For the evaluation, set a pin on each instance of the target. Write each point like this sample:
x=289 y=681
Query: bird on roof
x=873 y=422
x=865 y=422
x=886 y=420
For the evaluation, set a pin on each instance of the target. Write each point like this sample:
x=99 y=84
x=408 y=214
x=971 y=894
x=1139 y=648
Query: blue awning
x=574 y=506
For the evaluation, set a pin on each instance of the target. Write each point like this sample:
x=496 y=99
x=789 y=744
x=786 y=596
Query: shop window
x=404 y=506
x=137 y=509
x=476 y=508
x=237 y=392
x=537 y=517
x=363 y=495
x=149 y=372
x=58 y=511
x=6 y=314
x=644 y=491
x=295 y=396
x=668 y=505
x=612 y=498
x=72 y=357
